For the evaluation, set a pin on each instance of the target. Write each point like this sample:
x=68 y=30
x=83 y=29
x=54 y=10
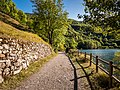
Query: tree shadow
x=83 y=76
x=75 y=76
x=81 y=68
x=86 y=75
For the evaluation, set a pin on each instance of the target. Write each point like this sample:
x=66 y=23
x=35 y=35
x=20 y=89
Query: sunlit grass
x=9 y=31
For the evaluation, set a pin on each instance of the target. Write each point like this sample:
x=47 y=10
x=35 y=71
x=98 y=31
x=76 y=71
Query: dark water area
x=105 y=54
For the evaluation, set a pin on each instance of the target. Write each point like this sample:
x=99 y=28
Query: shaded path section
x=75 y=76
x=86 y=75
x=55 y=75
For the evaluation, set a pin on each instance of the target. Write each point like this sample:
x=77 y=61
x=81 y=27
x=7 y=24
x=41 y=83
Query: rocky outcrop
x=16 y=55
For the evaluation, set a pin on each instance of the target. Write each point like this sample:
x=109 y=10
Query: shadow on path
x=86 y=75
x=75 y=76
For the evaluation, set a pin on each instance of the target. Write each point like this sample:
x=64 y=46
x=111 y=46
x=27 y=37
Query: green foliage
x=59 y=39
x=100 y=81
x=49 y=21
x=103 y=12
x=116 y=58
x=9 y=8
x=22 y=17
x=103 y=16
x=89 y=44
x=71 y=43
x=72 y=37
x=95 y=36
x=98 y=29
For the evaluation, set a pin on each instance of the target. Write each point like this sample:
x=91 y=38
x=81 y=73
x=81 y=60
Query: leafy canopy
x=105 y=13
x=8 y=7
x=49 y=17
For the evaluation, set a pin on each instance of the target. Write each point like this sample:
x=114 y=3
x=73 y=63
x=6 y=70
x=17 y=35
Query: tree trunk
x=50 y=38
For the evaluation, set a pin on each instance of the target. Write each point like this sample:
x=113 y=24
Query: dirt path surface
x=57 y=74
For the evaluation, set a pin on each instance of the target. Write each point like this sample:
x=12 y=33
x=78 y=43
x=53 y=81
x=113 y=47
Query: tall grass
x=9 y=31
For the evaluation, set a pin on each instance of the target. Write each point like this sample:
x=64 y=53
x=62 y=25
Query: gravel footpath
x=54 y=75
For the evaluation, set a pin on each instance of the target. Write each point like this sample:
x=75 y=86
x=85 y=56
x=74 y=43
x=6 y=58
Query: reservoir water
x=106 y=54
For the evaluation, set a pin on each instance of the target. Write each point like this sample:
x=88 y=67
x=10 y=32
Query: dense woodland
x=100 y=27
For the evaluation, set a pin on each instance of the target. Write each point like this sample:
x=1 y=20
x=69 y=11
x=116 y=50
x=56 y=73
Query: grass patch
x=14 y=81
x=117 y=54
x=7 y=30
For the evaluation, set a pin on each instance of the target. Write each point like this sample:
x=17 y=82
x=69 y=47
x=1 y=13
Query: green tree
x=72 y=37
x=4 y=6
x=22 y=17
x=49 y=17
x=8 y=7
x=59 y=39
x=103 y=12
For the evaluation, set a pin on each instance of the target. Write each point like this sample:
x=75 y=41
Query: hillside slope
x=7 y=30
x=18 y=49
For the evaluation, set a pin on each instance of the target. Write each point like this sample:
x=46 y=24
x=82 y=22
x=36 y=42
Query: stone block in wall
x=11 y=58
x=0 y=51
x=5 y=41
x=2 y=56
x=35 y=57
x=12 y=68
x=5 y=51
x=8 y=63
x=1 y=47
x=1 y=71
x=6 y=46
x=2 y=65
x=27 y=62
x=24 y=65
x=19 y=52
x=6 y=72
x=16 y=71
x=1 y=40
x=16 y=55
x=17 y=64
x=15 y=52
x=13 y=55
x=1 y=79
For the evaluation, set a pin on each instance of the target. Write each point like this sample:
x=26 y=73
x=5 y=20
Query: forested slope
x=95 y=37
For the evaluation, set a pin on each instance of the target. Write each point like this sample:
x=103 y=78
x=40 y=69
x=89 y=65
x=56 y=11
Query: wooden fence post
x=96 y=64
x=110 y=73
x=78 y=53
x=85 y=56
x=90 y=59
x=72 y=53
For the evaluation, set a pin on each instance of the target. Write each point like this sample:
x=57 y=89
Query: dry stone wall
x=16 y=55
